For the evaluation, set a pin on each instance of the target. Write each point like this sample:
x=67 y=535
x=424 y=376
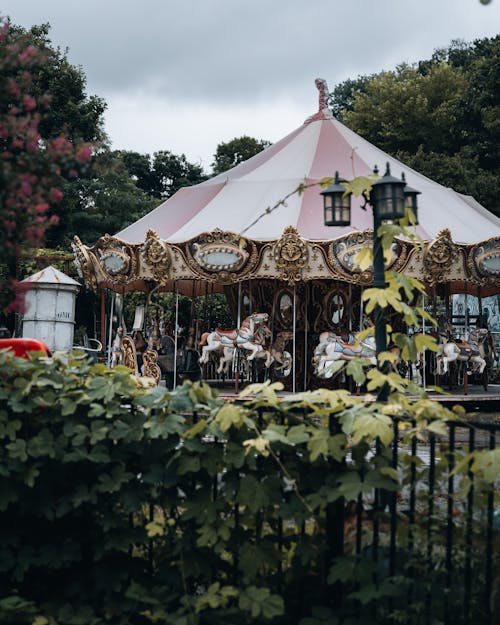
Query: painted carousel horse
x=243 y=338
x=276 y=353
x=459 y=351
x=228 y=352
x=483 y=338
x=332 y=348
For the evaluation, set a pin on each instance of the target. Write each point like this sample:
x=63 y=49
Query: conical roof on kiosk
x=235 y=199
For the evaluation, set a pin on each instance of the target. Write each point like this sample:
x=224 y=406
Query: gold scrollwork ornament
x=84 y=264
x=155 y=255
x=291 y=255
x=439 y=257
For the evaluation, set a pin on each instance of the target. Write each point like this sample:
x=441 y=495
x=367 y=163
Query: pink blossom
x=42 y=207
x=72 y=173
x=84 y=153
x=31 y=146
x=26 y=55
x=26 y=189
x=29 y=103
x=34 y=234
x=54 y=220
x=55 y=195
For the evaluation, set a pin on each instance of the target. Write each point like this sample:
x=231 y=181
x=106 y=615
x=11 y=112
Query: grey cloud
x=237 y=50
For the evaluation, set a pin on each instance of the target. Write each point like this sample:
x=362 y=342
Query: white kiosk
x=50 y=309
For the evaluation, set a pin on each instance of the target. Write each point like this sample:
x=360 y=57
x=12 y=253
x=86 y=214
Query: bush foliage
x=122 y=504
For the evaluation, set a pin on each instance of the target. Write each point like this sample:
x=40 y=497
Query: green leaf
x=17 y=449
x=230 y=415
x=383 y=298
x=487 y=464
x=155 y=528
x=356 y=371
x=371 y=426
x=260 y=602
x=364 y=258
x=196 y=429
x=425 y=340
x=318 y=444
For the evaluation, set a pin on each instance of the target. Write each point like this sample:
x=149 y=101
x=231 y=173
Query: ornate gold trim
x=477 y=260
x=439 y=257
x=291 y=255
x=111 y=251
x=84 y=264
x=155 y=255
x=200 y=254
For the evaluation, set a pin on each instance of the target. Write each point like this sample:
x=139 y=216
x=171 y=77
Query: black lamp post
x=389 y=197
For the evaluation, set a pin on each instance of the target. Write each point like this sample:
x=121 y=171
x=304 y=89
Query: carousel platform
x=475 y=400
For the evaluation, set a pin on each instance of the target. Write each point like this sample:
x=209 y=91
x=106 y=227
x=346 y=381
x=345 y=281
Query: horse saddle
x=467 y=350
x=351 y=349
x=228 y=334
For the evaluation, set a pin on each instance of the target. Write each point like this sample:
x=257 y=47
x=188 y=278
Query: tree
x=110 y=199
x=236 y=151
x=439 y=116
x=32 y=166
x=70 y=110
x=163 y=174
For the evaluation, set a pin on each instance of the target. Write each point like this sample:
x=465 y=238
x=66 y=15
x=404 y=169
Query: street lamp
x=389 y=198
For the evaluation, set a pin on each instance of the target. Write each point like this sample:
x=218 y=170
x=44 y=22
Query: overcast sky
x=185 y=75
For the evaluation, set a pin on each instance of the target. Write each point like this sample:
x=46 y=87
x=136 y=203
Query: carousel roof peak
x=323 y=111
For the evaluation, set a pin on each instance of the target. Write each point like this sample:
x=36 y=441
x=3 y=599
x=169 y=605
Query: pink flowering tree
x=32 y=168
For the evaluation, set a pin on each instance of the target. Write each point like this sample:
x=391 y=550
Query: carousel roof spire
x=323 y=110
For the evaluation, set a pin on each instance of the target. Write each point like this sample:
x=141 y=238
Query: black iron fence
x=440 y=535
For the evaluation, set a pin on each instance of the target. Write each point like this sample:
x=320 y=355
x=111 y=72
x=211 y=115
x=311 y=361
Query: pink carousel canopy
x=322 y=145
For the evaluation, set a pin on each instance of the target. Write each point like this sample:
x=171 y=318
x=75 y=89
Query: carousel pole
x=236 y=359
x=466 y=315
x=175 y=331
x=424 y=382
x=205 y=306
x=103 y=318
x=294 y=326
x=350 y=308
x=361 y=310
x=110 y=333
x=306 y=323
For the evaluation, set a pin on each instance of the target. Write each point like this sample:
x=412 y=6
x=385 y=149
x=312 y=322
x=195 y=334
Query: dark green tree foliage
x=236 y=151
x=108 y=200
x=162 y=174
x=440 y=116
x=71 y=110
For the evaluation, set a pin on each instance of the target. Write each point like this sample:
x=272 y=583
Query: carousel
x=290 y=281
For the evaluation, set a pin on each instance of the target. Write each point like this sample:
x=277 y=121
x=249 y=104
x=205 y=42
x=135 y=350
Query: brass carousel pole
x=237 y=356
x=294 y=337
x=176 y=325
x=306 y=323
x=110 y=332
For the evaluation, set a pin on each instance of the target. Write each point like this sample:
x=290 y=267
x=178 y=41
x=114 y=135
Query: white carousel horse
x=333 y=348
x=262 y=333
x=117 y=348
x=452 y=351
x=243 y=338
